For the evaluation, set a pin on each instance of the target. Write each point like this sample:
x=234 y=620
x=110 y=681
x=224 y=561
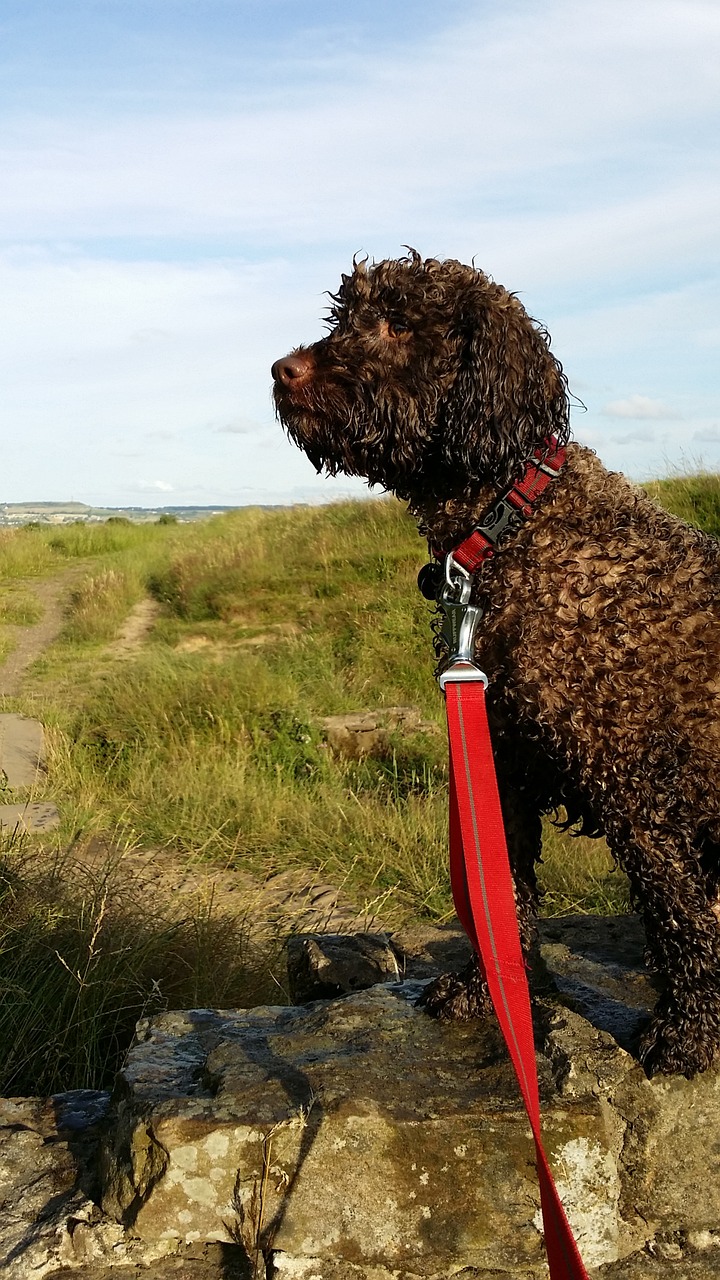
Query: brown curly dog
x=601 y=632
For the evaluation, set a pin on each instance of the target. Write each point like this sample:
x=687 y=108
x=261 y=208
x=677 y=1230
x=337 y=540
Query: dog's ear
x=510 y=394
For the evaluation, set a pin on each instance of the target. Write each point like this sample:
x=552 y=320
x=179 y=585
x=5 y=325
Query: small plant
x=18 y=608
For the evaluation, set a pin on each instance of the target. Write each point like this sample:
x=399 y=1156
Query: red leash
x=480 y=871
x=484 y=897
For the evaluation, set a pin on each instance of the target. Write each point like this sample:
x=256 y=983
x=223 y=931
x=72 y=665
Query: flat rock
x=355 y=1130
x=22 y=752
x=362 y=733
x=355 y=1139
x=50 y=1223
x=594 y=962
x=46 y=1155
x=361 y=1132
x=323 y=965
x=358 y=1138
x=32 y=818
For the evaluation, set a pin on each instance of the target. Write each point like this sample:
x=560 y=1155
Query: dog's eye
x=398 y=329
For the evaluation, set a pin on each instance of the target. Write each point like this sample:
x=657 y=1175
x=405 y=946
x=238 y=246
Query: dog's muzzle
x=293 y=371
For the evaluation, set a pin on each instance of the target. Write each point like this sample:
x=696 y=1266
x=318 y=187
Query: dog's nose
x=292 y=369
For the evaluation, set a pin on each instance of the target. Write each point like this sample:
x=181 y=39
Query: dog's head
x=433 y=380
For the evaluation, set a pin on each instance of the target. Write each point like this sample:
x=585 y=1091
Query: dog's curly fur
x=601 y=632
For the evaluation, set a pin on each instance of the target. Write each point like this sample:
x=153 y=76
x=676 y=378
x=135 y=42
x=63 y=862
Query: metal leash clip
x=459 y=626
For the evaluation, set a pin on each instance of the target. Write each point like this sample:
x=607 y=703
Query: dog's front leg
x=683 y=947
x=464 y=995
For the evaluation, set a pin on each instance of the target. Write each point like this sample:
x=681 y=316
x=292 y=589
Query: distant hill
x=17 y=513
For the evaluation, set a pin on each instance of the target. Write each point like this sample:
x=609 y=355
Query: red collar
x=449 y=579
x=514 y=507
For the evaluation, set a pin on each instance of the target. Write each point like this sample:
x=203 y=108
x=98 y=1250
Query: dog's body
x=601 y=627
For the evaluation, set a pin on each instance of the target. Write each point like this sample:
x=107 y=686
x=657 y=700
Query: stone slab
x=669 y=1262
x=22 y=752
x=50 y=1225
x=40 y=1177
x=363 y=733
x=358 y=1137
x=355 y=1139
x=356 y=1130
x=32 y=819
x=597 y=965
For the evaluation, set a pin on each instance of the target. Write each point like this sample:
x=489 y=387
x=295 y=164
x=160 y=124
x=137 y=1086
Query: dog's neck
x=445 y=524
x=448 y=523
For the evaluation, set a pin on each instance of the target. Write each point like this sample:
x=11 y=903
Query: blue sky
x=181 y=180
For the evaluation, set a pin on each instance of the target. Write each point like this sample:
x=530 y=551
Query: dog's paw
x=457 y=997
x=676 y=1047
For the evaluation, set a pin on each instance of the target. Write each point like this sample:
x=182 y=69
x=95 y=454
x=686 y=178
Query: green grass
x=36 y=550
x=81 y=958
x=301 y=613
x=98 y=604
x=695 y=499
x=209 y=744
x=221 y=750
x=18 y=607
x=228 y=759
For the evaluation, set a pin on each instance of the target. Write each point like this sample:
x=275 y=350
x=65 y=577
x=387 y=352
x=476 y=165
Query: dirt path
x=294 y=899
x=32 y=641
x=297 y=898
x=135 y=629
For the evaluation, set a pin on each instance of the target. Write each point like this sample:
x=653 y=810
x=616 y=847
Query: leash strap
x=484 y=898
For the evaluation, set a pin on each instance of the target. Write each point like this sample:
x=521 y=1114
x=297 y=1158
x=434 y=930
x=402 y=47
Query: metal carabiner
x=459 y=626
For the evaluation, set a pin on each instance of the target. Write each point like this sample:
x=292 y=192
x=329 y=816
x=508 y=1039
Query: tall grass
x=695 y=499
x=36 y=550
x=19 y=608
x=344 y=578
x=221 y=750
x=82 y=958
x=98 y=603
x=228 y=759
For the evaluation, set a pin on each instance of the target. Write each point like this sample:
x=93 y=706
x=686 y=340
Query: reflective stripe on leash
x=484 y=897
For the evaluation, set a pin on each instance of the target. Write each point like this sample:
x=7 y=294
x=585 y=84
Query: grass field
x=208 y=743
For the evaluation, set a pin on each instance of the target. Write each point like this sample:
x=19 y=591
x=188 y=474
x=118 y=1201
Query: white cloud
x=641 y=435
x=640 y=407
x=241 y=426
x=419 y=144
x=707 y=435
x=571 y=148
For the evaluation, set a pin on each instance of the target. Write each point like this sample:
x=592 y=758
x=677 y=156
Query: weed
x=98 y=604
x=18 y=608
